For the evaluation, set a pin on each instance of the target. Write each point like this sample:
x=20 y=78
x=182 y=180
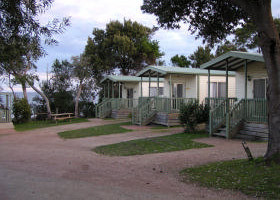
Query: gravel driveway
x=39 y=165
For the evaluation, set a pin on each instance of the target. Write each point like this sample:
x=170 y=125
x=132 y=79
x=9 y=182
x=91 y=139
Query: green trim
x=164 y=70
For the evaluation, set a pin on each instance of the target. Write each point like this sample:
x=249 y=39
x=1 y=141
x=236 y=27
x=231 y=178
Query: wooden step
x=251 y=133
x=222 y=134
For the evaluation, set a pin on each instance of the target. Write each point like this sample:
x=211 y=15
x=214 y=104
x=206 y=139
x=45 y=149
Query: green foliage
x=247 y=37
x=21 y=111
x=228 y=46
x=193 y=113
x=180 y=61
x=175 y=142
x=94 y=131
x=200 y=56
x=87 y=109
x=252 y=178
x=125 y=46
x=211 y=20
x=21 y=35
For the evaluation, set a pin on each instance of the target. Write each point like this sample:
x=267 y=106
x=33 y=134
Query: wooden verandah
x=233 y=115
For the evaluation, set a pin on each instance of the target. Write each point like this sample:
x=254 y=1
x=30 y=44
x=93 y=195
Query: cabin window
x=177 y=91
x=259 y=88
x=153 y=91
x=217 y=89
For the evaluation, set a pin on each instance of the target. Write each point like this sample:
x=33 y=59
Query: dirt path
x=40 y=165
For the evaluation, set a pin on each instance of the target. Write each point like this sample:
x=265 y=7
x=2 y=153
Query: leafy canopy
x=211 y=20
x=125 y=46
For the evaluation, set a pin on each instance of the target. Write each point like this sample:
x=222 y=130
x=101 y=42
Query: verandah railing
x=5 y=107
x=250 y=110
x=256 y=110
x=149 y=105
x=170 y=105
x=119 y=103
x=214 y=102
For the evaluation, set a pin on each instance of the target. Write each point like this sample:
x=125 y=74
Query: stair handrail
x=105 y=108
x=236 y=115
x=217 y=117
x=98 y=109
x=144 y=110
x=136 y=118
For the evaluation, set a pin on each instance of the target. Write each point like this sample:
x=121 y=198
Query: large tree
x=82 y=72
x=22 y=35
x=214 y=20
x=126 y=46
x=200 y=55
x=180 y=61
x=228 y=46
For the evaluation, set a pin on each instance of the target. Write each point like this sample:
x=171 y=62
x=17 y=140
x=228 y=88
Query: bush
x=193 y=113
x=21 y=111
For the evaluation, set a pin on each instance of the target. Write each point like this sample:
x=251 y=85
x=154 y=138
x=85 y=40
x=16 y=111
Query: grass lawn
x=43 y=124
x=176 y=142
x=252 y=178
x=95 y=131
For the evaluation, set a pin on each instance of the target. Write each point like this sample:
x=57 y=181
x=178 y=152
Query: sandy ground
x=39 y=165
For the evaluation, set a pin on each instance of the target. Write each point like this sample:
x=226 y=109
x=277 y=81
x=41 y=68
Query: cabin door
x=178 y=95
x=129 y=97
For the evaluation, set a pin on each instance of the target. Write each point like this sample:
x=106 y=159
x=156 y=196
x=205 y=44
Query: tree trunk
x=11 y=87
x=23 y=85
x=77 y=99
x=44 y=97
x=260 y=12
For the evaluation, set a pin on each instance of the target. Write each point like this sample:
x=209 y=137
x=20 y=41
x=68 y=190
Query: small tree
x=192 y=114
x=21 y=111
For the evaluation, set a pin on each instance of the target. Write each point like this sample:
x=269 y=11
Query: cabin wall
x=255 y=70
x=188 y=81
x=145 y=88
x=196 y=86
x=203 y=85
x=136 y=86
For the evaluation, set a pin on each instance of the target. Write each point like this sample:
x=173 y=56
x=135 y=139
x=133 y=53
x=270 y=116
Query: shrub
x=193 y=113
x=21 y=111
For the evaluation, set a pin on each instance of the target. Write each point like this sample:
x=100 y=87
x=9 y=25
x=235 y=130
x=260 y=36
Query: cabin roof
x=235 y=59
x=164 y=70
x=121 y=78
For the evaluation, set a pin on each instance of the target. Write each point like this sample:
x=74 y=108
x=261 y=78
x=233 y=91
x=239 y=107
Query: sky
x=86 y=15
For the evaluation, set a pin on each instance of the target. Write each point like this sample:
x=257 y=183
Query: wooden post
x=149 y=83
x=104 y=96
x=157 y=84
x=227 y=103
x=210 y=119
x=108 y=89
x=170 y=91
x=246 y=88
x=113 y=91
x=119 y=90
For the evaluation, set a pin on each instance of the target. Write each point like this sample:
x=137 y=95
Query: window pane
x=259 y=88
x=221 y=89
x=180 y=90
x=213 y=90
